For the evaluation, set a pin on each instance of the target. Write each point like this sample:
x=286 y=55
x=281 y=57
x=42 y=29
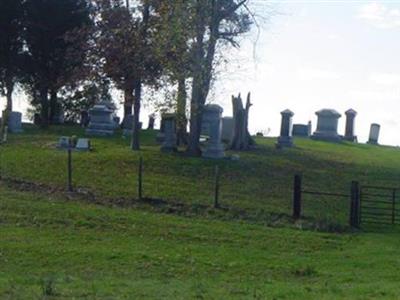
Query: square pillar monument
x=212 y=118
x=350 y=120
x=286 y=139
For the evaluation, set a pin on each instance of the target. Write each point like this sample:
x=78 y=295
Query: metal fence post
x=297 y=197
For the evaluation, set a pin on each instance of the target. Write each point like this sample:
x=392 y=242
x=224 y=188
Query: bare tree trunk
x=241 y=136
x=136 y=126
x=9 y=92
x=128 y=101
x=181 y=113
x=53 y=106
x=44 y=103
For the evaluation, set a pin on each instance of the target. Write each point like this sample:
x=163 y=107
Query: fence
x=353 y=196
x=361 y=204
x=378 y=205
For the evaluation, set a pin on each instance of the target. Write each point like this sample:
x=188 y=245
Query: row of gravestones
x=214 y=126
x=101 y=120
x=327 y=127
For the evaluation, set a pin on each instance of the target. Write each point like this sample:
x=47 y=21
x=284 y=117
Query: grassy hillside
x=52 y=248
x=101 y=243
x=260 y=183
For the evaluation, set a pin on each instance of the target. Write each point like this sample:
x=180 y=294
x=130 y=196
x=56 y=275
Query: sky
x=311 y=55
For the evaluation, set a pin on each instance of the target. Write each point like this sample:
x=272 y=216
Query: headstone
x=374 y=134
x=309 y=128
x=349 y=131
x=212 y=117
x=101 y=121
x=169 y=143
x=301 y=130
x=15 y=122
x=285 y=139
x=327 y=126
x=227 y=129
x=84 y=122
x=83 y=145
x=64 y=142
x=127 y=125
x=151 y=122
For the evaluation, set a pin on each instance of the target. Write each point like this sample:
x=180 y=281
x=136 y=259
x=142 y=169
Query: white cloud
x=380 y=15
x=385 y=78
x=316 y=73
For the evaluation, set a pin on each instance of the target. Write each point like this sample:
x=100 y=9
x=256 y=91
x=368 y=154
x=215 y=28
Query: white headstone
x=83 y=145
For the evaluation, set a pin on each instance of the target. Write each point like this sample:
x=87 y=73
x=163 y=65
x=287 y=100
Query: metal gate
x=378 y=205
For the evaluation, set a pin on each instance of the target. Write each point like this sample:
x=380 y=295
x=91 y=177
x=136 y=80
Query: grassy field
x=102 y=244
x=260 y=183
x=55 y=248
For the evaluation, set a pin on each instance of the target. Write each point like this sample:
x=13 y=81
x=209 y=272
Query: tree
x=175 y=35
x=241 y=136
x=11 y=48
x=53 y=56
x=215 y=22
x=127 y=43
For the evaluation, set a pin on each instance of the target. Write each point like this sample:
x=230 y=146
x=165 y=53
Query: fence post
x=69 y=170
x=297 y=197
x=216 y=195
x=355 y=205
x=140 y=179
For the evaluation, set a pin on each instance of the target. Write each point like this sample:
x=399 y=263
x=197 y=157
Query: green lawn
x=260 y=183
x=52 y=248
x=102 y=244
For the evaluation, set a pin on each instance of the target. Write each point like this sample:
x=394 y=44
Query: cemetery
x=133 y=167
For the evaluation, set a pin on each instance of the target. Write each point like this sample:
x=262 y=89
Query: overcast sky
x=325 y=54
x=320 y=54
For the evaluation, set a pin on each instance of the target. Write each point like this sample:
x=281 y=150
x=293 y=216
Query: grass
x=55 y=245
x=259 y=183
x=52 y=248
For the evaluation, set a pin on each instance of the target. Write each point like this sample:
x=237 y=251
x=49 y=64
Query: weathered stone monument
x=15 y=122
x=83 y=145
x=374 y=134
x=350 y=120
x=227 y=129
x=300 y=130
x=327 y=126
x=169 y=143
x=101 y=121
x=212 y=120
x=285 y=139
x=127 y=125
x=64 y=142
